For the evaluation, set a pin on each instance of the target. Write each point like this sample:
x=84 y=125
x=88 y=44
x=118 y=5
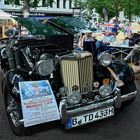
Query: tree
x=113 y=6
x=130 y=7
x=90 y=5
x=27 y=4
x=80 y=4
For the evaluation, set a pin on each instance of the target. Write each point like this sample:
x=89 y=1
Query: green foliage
x=77 y=3
x=130 y=7
x=16 y=2
x=47 y=2
x=80 y=4
x=32 y=3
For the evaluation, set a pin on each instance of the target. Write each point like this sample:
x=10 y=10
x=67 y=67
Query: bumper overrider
x=94 y=111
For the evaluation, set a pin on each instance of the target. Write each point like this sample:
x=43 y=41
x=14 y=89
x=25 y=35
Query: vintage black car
x=86 y=88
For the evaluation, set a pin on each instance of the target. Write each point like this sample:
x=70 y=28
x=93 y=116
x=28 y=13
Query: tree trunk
x=26 y=8
x=129 y=11
x=117 y=3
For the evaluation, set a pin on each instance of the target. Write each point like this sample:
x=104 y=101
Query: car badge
x=96 y=84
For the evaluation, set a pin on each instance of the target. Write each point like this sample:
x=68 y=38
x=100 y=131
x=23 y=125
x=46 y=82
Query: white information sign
x=38 y=102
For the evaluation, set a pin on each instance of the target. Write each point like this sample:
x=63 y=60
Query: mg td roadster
x=85 y=90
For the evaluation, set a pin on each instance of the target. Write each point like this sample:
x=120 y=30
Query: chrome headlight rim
x=105 y=90
x=45 y=70
x=105 y=58
x=74 y=98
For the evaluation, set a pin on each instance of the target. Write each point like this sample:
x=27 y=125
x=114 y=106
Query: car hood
x=52 y=26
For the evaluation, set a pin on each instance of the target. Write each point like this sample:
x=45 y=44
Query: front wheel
x=129 y=102
x=14 y=114
x=127 y=88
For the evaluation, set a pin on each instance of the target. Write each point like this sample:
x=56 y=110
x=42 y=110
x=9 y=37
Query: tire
x=129 y=102
x=127 y=88
x=14 y=114
x=1 y=79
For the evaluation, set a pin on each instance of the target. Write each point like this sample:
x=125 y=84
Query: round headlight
x=74 y=98
x=105 y=59
x=45 y=67
x=105 y=90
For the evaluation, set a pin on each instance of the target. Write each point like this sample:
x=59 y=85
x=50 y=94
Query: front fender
x=10 y=81
x=123 y=71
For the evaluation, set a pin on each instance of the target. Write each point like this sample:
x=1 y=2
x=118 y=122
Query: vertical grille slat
x=77 y=72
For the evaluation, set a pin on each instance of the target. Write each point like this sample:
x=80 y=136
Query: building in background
x=57 y=8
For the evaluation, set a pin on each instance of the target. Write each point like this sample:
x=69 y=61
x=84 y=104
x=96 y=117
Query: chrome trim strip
x=21 y=121
x=129 y=96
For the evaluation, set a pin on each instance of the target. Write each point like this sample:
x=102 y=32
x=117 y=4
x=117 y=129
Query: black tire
x=1 y=79
x=127 y=88
x=129 y=102
x=14 y=114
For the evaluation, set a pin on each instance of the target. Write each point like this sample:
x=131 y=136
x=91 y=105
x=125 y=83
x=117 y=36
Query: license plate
x=90 y=117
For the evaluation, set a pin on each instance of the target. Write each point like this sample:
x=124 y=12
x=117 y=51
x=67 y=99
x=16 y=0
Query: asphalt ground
x=125 y=125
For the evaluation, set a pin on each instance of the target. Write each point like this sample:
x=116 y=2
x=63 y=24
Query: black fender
x=126 y=74
x=8 y=81
x=3 y=58
x=123 y=70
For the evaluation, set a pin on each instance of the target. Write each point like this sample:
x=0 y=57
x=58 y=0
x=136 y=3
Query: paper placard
x=38 y=102
x=120 y=37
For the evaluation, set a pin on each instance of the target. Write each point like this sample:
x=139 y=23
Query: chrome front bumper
x=116 y=101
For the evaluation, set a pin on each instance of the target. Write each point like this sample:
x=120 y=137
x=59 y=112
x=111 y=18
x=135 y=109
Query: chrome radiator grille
x=77 y=71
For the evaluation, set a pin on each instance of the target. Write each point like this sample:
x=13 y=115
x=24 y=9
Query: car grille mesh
x=77 y=72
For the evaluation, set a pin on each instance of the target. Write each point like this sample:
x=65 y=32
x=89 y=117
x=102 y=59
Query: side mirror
x=10 y=33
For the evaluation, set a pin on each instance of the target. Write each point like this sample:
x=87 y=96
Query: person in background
x=133 y=39
x=88 y=42
x=136 y=50
x=114 y=29
x=15 y=29
x=80 y=44
x=108 y=38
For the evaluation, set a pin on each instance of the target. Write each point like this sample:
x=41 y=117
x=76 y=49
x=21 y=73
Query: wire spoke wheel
x=14 y=113
x=13 y=110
